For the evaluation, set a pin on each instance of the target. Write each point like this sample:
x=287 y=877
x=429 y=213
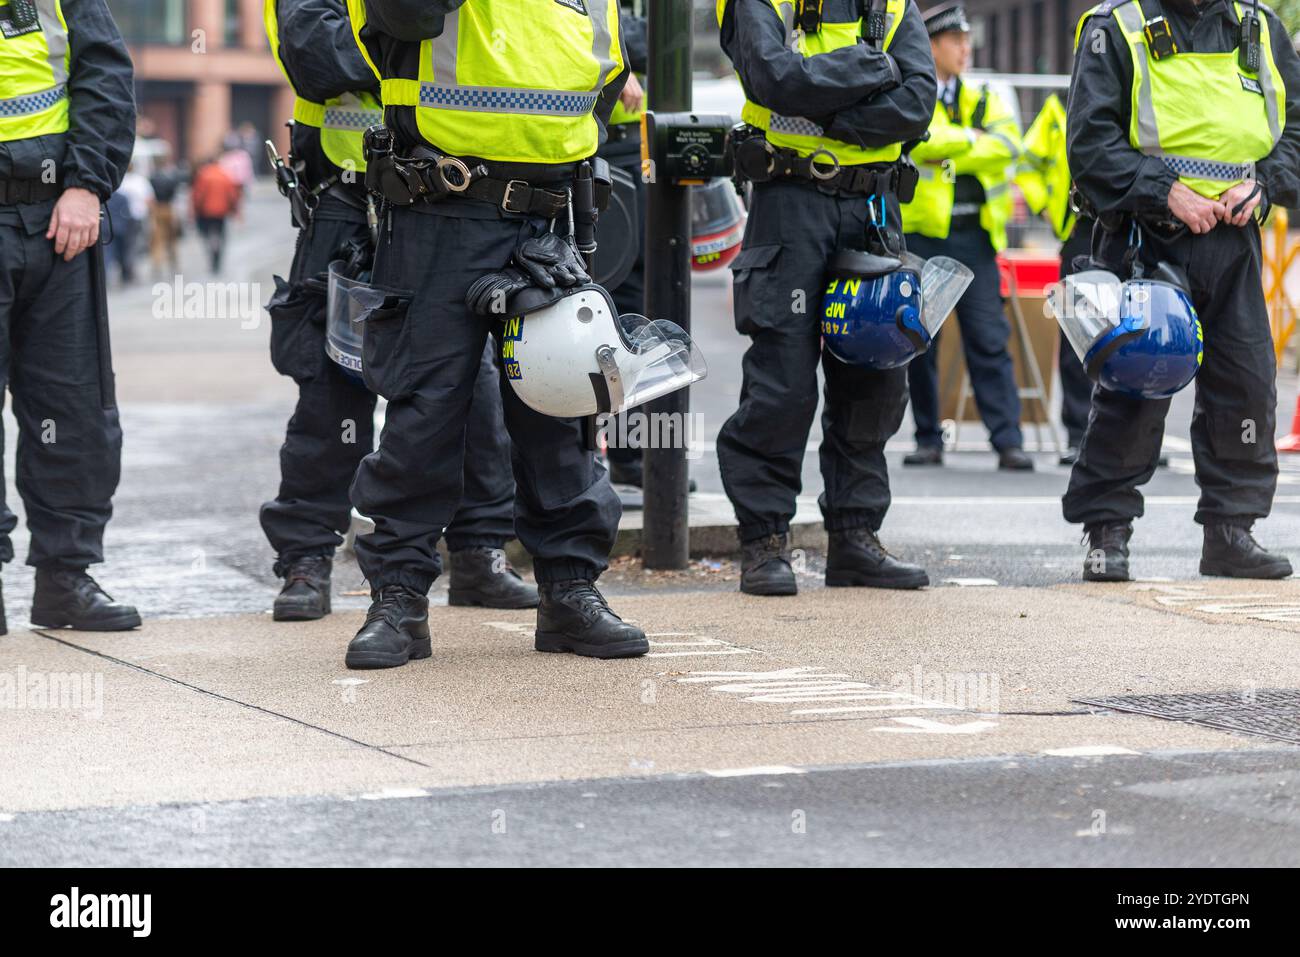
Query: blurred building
x=203 y=68
x=1025 y=36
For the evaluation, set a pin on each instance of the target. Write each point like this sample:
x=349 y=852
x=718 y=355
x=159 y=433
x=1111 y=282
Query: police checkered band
x=352 y=119
x=31 y=103
x=945 y=18
x=481 y=99
x=794 y=126
x=1209 y=169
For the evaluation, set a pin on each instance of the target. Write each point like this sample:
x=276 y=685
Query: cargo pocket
x=297 y=332
x=752 y=288
x=386 y=364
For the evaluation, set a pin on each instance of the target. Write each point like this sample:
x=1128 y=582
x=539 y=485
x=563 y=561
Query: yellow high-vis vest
x=510 y=81
x=34 y=64
x=954 y=150
x=342 y=120
x=1208 y=119
x=1044 y=172
x=799 y=133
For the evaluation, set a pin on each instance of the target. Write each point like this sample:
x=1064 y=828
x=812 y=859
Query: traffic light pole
x=665 y=537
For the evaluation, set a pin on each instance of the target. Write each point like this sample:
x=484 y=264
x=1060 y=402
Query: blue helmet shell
x=1156 y=349
x=874 y=322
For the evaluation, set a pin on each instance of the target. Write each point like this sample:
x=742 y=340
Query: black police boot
x=856 y=557
x=765 y=567
x=483 y=577
x=69 y=598
x=1230 y=551
x=1069 y=456
x=4 y=622
x=1014 y=459
x=924 y=455
x=306 y=592
x=573 y=616
x=1107 y=559
x=396 y=630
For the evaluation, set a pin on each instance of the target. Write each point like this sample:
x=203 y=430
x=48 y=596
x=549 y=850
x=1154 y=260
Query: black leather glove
x=490 y=295
x=549 y=261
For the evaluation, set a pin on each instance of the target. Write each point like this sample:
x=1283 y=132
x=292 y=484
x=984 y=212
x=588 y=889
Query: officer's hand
x=1200 y=214
x=632 y=96
x=74 y=224
x=550 y=261
x=1248 y=196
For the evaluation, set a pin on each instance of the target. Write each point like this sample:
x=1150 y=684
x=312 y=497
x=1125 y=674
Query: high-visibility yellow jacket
x=1044 y=171
x=34 y=64
x=954 y=149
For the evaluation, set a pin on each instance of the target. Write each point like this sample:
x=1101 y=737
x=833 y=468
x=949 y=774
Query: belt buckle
x=506 y=200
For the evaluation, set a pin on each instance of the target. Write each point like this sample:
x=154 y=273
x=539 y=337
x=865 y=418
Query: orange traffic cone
x=1291 y=442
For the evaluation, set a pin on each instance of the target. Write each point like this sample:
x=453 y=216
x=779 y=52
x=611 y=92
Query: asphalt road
x=1176 y=809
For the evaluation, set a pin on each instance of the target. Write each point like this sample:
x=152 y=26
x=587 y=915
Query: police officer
x=333 y=425
x=834 y=90
x=493 y=108
x=961 y=210
x=67 y=127
x=1184 y=128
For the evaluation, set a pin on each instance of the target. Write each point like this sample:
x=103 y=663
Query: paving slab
x=241 y=706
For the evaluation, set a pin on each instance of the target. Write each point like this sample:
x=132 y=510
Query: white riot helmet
x=568 y=353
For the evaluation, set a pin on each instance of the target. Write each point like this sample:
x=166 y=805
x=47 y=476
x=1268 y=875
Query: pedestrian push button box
x=685 y=148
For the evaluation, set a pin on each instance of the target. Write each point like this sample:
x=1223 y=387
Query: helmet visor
x=658 y=358
x=346 y=302
x=943 y=282
x=1087 y=305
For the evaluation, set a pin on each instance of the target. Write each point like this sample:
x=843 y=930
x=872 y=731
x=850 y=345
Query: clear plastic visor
x=1087 y=305
x=943 y=282
x=347 y=300
x=657 y=358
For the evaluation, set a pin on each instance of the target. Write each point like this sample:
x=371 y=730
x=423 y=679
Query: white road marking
x=926 y=726
x=751 y=772
x=1087 y=751
x=1258 y=606
x=971 y=582
x=699 y=648
x=514 y=627
x=878 y=707
x=394 y=794
x=6 y=818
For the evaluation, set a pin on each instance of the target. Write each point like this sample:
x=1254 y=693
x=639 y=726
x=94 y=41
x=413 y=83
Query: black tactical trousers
x=54 y=357
x=423 y=351
x=332 y=427
x=1233 y=419
x=780 y=275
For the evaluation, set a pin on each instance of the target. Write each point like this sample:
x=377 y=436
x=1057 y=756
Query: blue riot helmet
x=1139 y=338
x=882 y=312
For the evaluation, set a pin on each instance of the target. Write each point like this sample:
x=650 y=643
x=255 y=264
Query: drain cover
x=1267 y=712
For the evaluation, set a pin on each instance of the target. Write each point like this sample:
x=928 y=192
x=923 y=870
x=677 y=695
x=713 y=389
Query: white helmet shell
x=575 y=356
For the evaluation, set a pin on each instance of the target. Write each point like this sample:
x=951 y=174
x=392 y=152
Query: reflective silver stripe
x=1006 y=141
x=56 y=39
x=1210 y=169
x=996 y=190
x=785 y=10
x=1130 y=17
x=446 y=93
x=794 y=125
x=341 y=119
x=965 y=209
x=1271 y=98
x=30 y=103
x=601 y=38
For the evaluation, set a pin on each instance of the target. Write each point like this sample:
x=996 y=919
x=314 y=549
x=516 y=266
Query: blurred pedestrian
x=129 y=211
x=214 y=198
x=237 y=161
x=164 y=221
x=961 y=210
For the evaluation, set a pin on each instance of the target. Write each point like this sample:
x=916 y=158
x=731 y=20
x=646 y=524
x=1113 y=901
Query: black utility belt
x=429 y=177
x=16 y=191
x=759 y=161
